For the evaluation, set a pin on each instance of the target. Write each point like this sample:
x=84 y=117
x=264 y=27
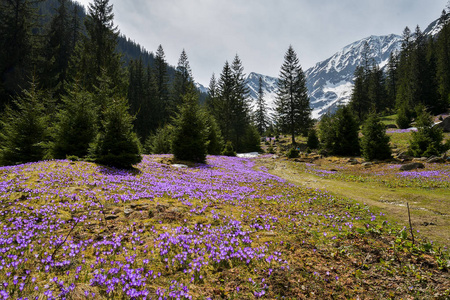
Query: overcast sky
x=260 y=31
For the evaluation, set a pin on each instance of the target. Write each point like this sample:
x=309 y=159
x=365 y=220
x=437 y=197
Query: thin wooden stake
x=410 y=225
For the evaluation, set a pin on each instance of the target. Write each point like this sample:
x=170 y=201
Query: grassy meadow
x=228 y=229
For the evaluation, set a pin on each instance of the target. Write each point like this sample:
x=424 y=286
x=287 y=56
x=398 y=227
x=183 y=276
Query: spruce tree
x=360 y=101
x=261 y=118
x=391 y=80
x=224 y=100
x=189 y=135
x=212 y=94
x=213 y=135
x=443 y=61
x=292 y=103
x=116 y=144
x=182 y=83
x=76 y=125
x=375 y=142
x=17 y=17
x=162 y=83
x=160 y=142
x=58 y=50
x=96 y=55
x=24 y=133
x=312 y=141
x=339 y=132
x=239 y=105
x=427 y=141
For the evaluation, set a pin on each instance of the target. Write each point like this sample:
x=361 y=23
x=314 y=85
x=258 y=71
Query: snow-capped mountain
x=269 y=85
x=330 y=82
x=201 y=87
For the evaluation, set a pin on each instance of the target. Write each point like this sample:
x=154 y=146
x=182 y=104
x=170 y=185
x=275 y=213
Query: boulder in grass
x=412 y=166
x=444 y=125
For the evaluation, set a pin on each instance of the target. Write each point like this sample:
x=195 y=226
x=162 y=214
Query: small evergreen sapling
x=117 y=145
x=375 y=142
x=24 y=131
x=189 y=135
x=229 y=150
x=427 y=141
x=76 y=125
x=313 y=140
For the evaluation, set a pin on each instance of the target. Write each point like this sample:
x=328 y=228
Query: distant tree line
x=419 y=74
x=414 y=85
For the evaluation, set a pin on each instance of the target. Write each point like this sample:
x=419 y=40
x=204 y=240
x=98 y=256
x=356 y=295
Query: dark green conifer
x=427 y=141
x=189 y=135
x=292 y=103
x=117 y=144
x=375 y=142
x=76 y=125
x=24 y=133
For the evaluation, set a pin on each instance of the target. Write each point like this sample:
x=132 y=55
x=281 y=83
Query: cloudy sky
x=260 y=31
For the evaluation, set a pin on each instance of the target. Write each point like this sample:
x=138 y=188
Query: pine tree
x=212 y=94
x=339 y=132
x=213 y=135
x=292 y=103
x=96 y=55
x=391 y=80
x=360 y=101
x=76 y=125
x=404 y=97
x=24 y=132
x=189 y=135
x=261 y=110
x=17 y=18
x=162 y=83
x=224 y=101
x=182 y=83
x=427 y=141
x=239 y=105
x=116 y=144
x=313 y=140
x=375 y=142
x=376 y=92
x=58 y=50
x=443 y=61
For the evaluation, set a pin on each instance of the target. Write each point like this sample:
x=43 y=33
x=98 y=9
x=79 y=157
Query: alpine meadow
x=122 y=177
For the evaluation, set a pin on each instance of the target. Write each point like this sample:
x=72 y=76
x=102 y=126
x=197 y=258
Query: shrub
x=160 y=142
x=292 y=153
x=313 y=140
x=229 y=150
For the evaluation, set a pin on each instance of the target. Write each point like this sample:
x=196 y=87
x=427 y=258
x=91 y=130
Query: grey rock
x=412 y=166
x=444 y=125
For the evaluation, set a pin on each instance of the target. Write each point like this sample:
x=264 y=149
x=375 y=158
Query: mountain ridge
x=330 y=81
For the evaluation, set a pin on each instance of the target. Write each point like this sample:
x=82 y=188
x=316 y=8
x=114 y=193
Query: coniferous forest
x=68 y=76
x=84 y=91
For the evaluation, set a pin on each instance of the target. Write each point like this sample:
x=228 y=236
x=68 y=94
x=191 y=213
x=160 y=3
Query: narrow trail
x=431 y=224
